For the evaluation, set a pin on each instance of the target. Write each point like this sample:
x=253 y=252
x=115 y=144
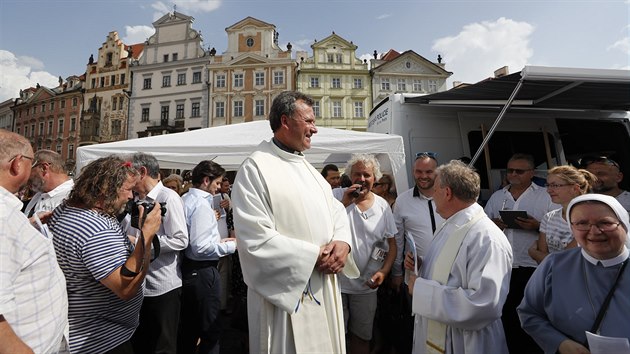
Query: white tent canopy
x=229 y=145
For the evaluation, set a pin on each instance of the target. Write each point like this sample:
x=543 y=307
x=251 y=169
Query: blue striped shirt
x=89 y=247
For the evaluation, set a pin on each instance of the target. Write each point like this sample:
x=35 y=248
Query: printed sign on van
x=379 y=118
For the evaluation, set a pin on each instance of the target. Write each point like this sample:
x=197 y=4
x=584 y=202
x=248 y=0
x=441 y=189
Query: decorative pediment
x=411 y=62
x=172 y=17
x=248 y=59
x=333 y=40
x=249 y=22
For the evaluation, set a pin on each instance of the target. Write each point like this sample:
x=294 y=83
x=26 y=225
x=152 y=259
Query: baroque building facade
x=104 y=117
x=406 y=72
x=49 y=118
x=244 y=80
x=338 y=81
x=6 y=114
x=168 y=92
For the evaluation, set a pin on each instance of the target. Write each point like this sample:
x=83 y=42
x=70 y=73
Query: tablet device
x=509 y=216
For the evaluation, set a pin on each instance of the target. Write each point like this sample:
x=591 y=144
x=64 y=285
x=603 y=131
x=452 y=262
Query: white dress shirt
x=205 y=240
x=49 y=201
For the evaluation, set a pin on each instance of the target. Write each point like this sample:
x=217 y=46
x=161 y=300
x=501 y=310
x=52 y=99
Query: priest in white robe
x=465 y=276
x=293 y=237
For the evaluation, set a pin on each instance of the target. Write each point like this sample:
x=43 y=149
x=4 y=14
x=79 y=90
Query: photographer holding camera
x=104 y=272
x=159 y=316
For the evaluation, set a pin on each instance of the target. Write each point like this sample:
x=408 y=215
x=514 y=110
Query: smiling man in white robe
x=293 y=237
x=465 y=276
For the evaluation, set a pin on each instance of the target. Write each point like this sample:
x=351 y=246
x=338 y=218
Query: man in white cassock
x=293 y=237
x=465 y=276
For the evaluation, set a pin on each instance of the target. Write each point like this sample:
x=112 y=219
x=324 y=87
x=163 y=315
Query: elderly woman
x=568 y=290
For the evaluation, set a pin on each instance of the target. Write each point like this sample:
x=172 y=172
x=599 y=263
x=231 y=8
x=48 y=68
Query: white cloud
x=367 y=57
x=623 y=45
x=17 y=73
x=137 y=34
x=300 y=45
x=185 y=6
x=383 y=16
x=481 y=48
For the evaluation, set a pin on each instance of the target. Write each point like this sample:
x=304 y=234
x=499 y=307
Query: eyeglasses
x=25 y=157
x=554 y=186
x=518 y=171
x=587 y=160
x=603 y=226
x=429 y=154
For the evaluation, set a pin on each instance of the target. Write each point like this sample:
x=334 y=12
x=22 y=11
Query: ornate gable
x=413 y=63
x=334 y=40
x=172 y=18
x=249 y=22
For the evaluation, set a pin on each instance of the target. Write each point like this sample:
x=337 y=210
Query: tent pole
x=496 y=122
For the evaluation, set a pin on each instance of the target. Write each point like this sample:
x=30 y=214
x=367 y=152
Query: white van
x=556 y=114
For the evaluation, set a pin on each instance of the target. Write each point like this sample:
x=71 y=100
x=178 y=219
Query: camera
x=355 y=193
x=135 y=211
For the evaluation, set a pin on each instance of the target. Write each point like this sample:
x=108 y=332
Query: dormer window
x=108 y=59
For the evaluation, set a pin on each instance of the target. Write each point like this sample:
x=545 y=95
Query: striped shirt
x=557 y=231
x=32 y=288
x=90 y=246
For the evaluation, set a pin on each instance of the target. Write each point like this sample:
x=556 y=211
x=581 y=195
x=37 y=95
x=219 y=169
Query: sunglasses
x=518 y=171
x=587 y=160
x=429 y=154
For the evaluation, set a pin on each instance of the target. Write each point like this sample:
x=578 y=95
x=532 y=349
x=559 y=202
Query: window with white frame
x=60 y=126
x=358 y=109
x=41 y=128
x=52 y=106
x=339 y=58
x=71 y=147
x=417 y=85
x=259 y=79
x=385 y=84
x=32 y=129
x=43 y=107
x=179 y=111
x=336 y=82
x=196 y=77
x=260 y=107
x=315 y=81
x=358 y=83
x=114 y=103
x=433 y=85
x=73 y=124
x=331 y=58
x=75 y=101
x=121 y=100
x=146 y=84
x=238 y=80
x=219 y=109
x=336 y=109
x=195 y=111
x=59 y=148
x=402 y=85
x=278 y=77
x=181 y=79
x=122 y=79
x=26 y=130
x=166 y=80
x=50 y=126
x=63 y=104
x=316 y=109
x=220 y=80
x=238 y=108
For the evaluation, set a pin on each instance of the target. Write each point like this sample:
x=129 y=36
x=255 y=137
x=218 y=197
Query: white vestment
x=284 y=211
x=470 y=303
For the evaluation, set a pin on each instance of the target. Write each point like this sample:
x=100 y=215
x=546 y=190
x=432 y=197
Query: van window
x=504 y=144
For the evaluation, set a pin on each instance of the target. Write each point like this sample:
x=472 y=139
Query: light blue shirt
x=205 y=242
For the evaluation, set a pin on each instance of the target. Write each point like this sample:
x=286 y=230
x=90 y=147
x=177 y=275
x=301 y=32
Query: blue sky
x=41 y=40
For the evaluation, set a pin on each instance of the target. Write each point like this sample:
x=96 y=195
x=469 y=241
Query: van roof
x=544 y=87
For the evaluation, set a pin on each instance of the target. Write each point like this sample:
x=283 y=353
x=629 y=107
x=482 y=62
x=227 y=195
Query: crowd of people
x=124 y=260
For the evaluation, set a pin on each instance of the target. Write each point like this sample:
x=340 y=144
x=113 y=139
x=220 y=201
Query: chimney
x=501 y=72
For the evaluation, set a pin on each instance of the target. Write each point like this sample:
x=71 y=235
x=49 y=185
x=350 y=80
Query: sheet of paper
x=605 y=345
x=411 y=245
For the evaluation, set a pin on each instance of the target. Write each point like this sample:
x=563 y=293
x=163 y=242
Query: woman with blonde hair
x=563 y=184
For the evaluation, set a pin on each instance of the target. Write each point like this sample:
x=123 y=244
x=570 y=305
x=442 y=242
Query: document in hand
x=509 y=216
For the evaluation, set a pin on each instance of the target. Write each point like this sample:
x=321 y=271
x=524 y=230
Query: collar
x=416 y=193
x=532 y=185
x=607 y=262
x=62 y=188
x=153 y=193
x=284 y=147
x=199 y=192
